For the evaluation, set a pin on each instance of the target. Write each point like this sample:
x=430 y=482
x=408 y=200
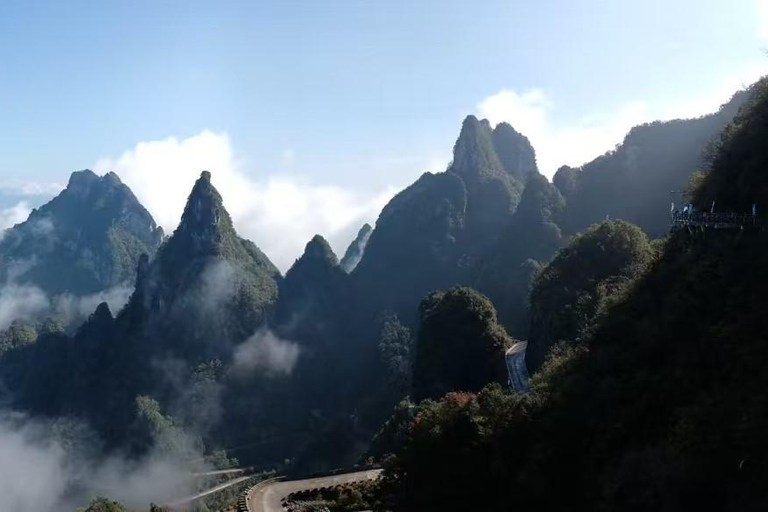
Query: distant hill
x=87 y=239
x=205 y=292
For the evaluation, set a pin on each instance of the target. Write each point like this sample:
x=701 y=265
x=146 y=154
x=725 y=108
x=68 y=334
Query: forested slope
x=660 y=406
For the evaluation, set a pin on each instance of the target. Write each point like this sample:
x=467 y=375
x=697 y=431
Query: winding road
x=266 y=497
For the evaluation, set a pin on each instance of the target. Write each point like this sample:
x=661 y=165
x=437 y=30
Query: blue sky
x=337 y=104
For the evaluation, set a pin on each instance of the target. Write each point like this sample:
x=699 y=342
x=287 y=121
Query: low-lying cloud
x=266 y=353
x=29 y=188
x=279 y=213
x=72 y=309
x=23 y=303
x=28 y=303
x=13 y=215
x=41 y=471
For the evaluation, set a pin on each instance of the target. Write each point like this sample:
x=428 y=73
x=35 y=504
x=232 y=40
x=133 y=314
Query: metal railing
x=715 y=220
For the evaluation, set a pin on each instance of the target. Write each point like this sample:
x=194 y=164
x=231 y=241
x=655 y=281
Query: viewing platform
x=715 y=220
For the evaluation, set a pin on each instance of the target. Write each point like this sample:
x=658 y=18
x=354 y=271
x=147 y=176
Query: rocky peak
x=205 y=223
x=354 y=252
x=492 y=192
x=318 y=249
x=514 y=151
x=86 y=239
x=473 y=153
x=81 y=182
x=318 y=257
x=313 y=296
x=111 y=179
x=102 y=313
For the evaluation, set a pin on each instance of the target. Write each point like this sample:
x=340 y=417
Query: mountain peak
x=112 y=178
x=82 y=181
x=473 y=154
x=354 y=252
x=514 y=151
x=86 y=239
x=317 y=260
x=205 y=221
x=318 y=249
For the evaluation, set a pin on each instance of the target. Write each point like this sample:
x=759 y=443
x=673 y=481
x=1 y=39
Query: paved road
x=267 y=498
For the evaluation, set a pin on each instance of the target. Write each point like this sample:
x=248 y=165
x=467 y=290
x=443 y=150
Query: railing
x=715 y=220
x=244 y=501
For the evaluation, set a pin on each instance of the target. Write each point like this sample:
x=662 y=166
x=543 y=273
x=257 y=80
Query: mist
x=28 y=303
x=72 y=309
x=57 y=466
x=266 y=352
x=20 y=302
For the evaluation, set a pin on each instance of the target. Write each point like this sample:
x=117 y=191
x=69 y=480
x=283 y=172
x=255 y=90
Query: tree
x=395 y=350
x=18 y=334
x=101 y=504
x=460 y=345
x=570 y=291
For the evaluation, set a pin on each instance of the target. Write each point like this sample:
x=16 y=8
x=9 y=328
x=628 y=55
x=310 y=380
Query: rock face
x=415 y=247
x=314 y=297
x=354 y=252
x=528 y=241
x=205 y=280
x=514 y=151
x=87 y=239
x=493 y=191
x=433 y=234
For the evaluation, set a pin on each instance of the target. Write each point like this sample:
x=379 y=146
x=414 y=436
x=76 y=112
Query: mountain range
x=307 y=366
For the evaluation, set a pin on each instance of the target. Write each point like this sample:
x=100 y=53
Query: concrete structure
x=516 y=369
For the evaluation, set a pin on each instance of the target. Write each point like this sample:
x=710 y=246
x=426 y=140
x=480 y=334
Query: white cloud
x=29 y=303
x=21 y=302
x=47 y=467
x=556 y=143
x=531 y=113
x=29 y=188
x=13 y=215
x=72 y=309
x=280 y=213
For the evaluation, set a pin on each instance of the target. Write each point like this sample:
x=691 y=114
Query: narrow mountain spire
x=356 y=249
